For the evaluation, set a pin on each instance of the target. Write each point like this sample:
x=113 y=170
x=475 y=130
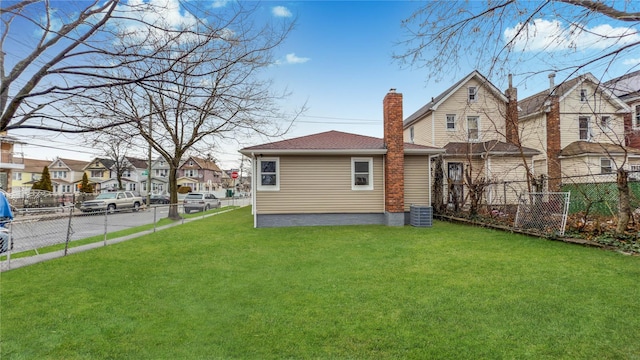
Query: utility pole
x=149 y=159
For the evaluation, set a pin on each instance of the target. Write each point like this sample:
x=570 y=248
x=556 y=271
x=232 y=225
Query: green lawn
x=218 y=289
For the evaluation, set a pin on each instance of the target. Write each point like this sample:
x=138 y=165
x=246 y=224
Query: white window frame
x=411 y=134
x=272 y=187
x=605 y=123
x=477 y=138
x=588 y=129
x=472 y=93
x=584 y=95
x=451 y=117
x=367 y=187
x=636 y=123
x=603 y=166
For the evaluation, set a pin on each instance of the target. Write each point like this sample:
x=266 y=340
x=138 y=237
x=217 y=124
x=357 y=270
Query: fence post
x=66 y=243
x=106 y=212
x=155 y=211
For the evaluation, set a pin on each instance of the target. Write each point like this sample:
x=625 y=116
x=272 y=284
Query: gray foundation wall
x=284 y=220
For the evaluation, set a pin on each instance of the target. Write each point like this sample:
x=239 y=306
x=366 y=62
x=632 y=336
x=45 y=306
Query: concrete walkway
x=11 y=264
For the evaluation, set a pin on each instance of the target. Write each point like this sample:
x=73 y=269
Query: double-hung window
x=473 y=93
x=361 y=173
x=451 y=122
x=268 y=174
x=605 y=123
x=637 y=122
x=583 y=127
x=412 y=134
x=605 y=166
x=472 y=127
x=583 y=95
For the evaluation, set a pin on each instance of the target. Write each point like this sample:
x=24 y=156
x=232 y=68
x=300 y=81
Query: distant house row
x=577 y=128
x=66 y=175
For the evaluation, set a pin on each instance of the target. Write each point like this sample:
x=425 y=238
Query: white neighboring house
x=66 y=174
x=132 y=179
x=159 y=177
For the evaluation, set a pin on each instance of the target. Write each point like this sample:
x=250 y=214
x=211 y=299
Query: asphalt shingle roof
x=493 y=147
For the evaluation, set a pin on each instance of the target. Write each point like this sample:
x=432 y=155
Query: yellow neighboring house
x=23 y=179
x=10 y=162
x=98 y=171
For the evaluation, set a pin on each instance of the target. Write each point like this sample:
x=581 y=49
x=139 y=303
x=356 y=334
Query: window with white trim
x=361 y=173
x=605 y=166
x=411 y=134
x=583 y=127
x=191 y=173
x=96 y=173
x=472 y=127
x=451 y=122
x=605 y=123
x=637 y=116
x=473 y=93
x=269 y=174
x=583 y=95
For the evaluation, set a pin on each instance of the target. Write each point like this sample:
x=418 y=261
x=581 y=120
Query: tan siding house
x=470 y=121
x=578 y=127
x=337 y=178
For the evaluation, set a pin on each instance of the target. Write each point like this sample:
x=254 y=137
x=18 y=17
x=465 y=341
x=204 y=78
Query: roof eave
x=252 y=152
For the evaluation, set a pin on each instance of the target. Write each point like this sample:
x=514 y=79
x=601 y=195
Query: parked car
x=112 y=201
x=200 y=202
x=159 y=199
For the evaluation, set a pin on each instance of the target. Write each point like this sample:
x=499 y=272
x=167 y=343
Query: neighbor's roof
x=539 y=102
x=333 y=142
x=137 y=163
x=436 y=101
x=75 y=165
x=493 y=147
x=35 y=165
x=585 y=147
x=626 y=86
x=202 y=163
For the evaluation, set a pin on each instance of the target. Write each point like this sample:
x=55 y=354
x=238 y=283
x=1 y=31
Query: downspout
x=430 y=181
x=433 y=129
x=254 y=181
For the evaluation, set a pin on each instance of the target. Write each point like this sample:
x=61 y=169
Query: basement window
x=362 y=173
x=268 y=174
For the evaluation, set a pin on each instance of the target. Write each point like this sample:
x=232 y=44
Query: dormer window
x=473 y=93
x=583 y=95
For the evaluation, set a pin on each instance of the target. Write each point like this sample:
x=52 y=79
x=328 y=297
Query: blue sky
x=339 y=61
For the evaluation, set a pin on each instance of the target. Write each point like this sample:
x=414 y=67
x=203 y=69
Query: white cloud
x=219 y=3
x=281 y=11
x=293 y=59
x=554 y=36
x=631 y=62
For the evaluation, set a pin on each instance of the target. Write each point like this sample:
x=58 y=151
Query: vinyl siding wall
x=489 y=109
x=321 y=184
x=416 y=181
x=571 y=108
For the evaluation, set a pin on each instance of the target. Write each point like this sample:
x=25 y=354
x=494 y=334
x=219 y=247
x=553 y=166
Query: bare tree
x=215 y=87
x=74 y=53
x=116 y=147
x=499 y=37
x=442 y=35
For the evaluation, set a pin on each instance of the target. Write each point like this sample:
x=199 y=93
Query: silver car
x=200 y=202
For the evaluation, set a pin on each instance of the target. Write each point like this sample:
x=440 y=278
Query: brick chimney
x=554 y=170
x=511 y=126
x=394 y=162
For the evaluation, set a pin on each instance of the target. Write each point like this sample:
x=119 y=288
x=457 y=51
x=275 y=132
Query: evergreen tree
x=85 y=186
x=45 y=181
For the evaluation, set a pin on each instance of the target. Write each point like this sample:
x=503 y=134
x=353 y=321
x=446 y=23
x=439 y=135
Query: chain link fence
x=58 y=228
x=593 y=203
x=544 y=213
